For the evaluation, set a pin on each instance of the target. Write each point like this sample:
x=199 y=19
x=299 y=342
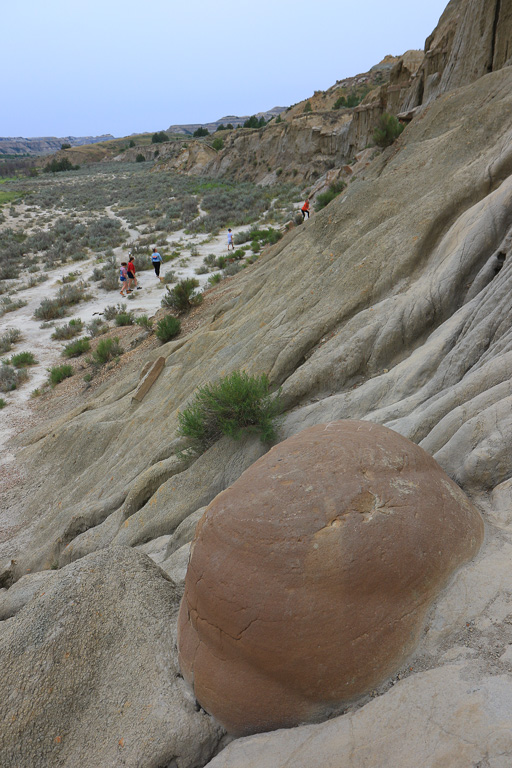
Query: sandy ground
x=15 y=417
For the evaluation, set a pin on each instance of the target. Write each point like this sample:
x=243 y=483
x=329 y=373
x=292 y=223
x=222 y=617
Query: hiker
x=157 y=260
x=230 y=240
x=123 y=277
x=305 y=209
x=132 y=280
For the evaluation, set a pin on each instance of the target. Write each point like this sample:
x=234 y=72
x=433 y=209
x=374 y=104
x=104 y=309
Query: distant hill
x=233 y=119
x=45 y=145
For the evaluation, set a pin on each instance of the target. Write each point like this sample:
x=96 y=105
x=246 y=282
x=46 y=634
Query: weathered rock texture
x=384 y=306
x=473 y=37
x=455 y=717
x=392 y=305
x=310 y=577
x=88 y=676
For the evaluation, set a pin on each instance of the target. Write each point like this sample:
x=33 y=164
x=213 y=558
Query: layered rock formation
x=310 y=577
x=45 y=145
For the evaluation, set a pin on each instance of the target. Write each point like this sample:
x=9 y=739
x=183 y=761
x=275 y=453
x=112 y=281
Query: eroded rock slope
x=391 y=305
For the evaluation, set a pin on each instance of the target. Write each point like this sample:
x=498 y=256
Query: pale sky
x=121 y=67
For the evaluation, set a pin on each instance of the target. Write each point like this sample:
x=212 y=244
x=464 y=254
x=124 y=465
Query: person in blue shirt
x=157 y=260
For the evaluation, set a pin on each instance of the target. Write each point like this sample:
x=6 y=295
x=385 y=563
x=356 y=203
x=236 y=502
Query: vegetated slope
x=384 y=306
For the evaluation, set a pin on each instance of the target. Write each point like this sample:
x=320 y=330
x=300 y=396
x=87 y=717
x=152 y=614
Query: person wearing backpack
x=157 y=260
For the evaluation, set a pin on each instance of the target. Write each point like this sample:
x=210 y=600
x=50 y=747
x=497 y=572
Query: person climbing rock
x=305 y=209
x=157 y=260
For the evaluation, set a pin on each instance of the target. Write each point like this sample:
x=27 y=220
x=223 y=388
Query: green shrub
x=56 y=166
x=22 y=359
x=76 y=348
x=144 y=322
x=169 y=277
x=68 y=331
x=214 y=279
x=307 y=107
x=140 y=158
x=60 y=372
x=389 y=129
x=124 y=318
x=113 y=310
x=324 y=198
x=183 y=296
x=3 y=403
x=49 y=309
x=106 y=350
x=11 y=378
x=232 y=269
x=201 y=132
x=8 y=339
x=234 y=403
x=97 y=326
x=238 y=254
x=221 y=262
x=167 y=328
x=218 y=143
x=159 y=137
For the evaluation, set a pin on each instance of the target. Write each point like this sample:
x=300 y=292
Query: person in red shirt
x=130 y=268
x=305 y=209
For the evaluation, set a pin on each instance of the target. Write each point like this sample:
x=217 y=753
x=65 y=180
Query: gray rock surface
x=13 y=599
x=455 y=717
x=385 y=306
x=89 y=675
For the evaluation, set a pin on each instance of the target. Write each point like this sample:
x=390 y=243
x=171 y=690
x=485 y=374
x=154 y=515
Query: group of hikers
x=127 y=274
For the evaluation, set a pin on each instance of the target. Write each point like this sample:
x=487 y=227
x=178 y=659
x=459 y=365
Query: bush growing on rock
x=183 y=296
x=60 y=372
x=144 y=322
x=106 y=350
x=76 y=348
x=167 y=328
x=324 y=198
x=124 y=318
x=97 y=326
x=235 y=403
x=388 y=131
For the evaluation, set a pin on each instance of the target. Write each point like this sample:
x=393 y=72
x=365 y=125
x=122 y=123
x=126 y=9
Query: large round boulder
x=310 y=576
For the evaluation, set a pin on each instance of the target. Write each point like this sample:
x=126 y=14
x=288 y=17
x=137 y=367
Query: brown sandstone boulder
x=310 y=576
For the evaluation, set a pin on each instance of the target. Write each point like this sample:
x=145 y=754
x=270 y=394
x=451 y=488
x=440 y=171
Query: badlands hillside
x=391 y=531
